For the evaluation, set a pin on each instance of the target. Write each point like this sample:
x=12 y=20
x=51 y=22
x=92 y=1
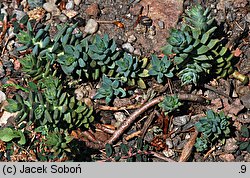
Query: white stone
x=128 y=47
x=91 y=26
x=49 y=7
x=181 y=120
x=77 y=2
x=131 y=39
x=168 y=153
x=70 y=5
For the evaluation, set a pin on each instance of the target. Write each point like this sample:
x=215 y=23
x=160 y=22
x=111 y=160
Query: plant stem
x=241 y=77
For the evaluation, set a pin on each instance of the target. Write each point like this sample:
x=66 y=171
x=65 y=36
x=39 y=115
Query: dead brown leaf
x=237 y=52
x=233 y=108
x=187 y=150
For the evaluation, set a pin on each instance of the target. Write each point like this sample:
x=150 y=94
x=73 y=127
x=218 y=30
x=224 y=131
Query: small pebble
x=168 y=153
x=152 y=31
x=2 y=96
x=70 y=5
x=137 y=52
x=161 y=24
x=231 y=145
x=227 y=157
x=3 y=11
x=77 y=2
x=181 y=144
x=93 y=10
x=169 y=143
x=47 y=16
x=19 y=14
x=246 y=100
x=149 y=137
x=49 y=7
x=248 y=17
x=247 y=157
x=181 y=120
x=63 y=18
x=131 y=39
x=128 y=47
x=120 y=116
x=176 y=141
x=91 y=26
x=70 y=13
x=234 y=94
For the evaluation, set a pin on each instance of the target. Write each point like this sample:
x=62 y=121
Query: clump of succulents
x=169 y=104
x=53 y=144
x=103 y=54
x=37 y=41
x=67 y=50
x=34 y=67
x=199 y=18
x=161 y=68
x=109 y=89
x=51 y=106
x=191 y=74
x=140 y=153
x=214 y=126
x=195 y=42
x=244 y=140
x=201 y=144
x=132 y=70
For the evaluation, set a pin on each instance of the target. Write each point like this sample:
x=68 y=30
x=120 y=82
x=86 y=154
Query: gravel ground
x=121 y=20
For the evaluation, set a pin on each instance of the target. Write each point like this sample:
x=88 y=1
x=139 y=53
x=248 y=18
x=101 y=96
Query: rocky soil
x=141 y=27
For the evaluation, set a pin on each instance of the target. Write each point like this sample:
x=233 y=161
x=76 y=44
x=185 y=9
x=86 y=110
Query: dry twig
x=145 y=107
x=104 y=129
x=134 y=134
x=208 y=153
x=110 y=108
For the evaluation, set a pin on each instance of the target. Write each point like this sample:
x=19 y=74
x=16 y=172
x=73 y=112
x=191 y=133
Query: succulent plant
x=103 y=54
x=169 y=104
x=213 y=126
x=131 y=70
x=198 y=18
x=58 y=141
x=244 y=140
x=161 y=68
x=190 y=74
x=109 y=89
x=35 y=67
x=53 y=144
x=195 y=42
x=52 y=107
x=67 y=50
x=201 y=144
x=35 y=41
